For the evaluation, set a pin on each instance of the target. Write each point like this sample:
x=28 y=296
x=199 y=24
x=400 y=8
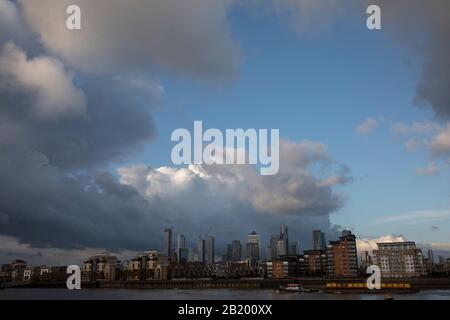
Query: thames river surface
x=199 y=294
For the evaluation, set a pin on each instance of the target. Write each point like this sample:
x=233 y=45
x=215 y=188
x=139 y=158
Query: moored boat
x=292 y=287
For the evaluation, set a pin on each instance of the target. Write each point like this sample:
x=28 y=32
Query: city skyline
x=86 y=125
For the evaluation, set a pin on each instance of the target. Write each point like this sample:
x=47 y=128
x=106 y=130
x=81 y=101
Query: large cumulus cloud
x=232 y=199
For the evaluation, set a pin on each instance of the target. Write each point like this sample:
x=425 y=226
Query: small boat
x=291 y=288
x=388 y=297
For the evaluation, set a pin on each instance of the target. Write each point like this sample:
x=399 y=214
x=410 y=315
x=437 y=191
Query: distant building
x=399 y=260
x=168 y=242
x=99 y=267
x=342 y=258
x=191 y=255
x=183 y=255
x=253 y=248
x=201 y=251
x=314 y=263
x=6 y=273
x=272 y=250
x=286 y=267
x=282 y=248
x=319 y=241
x=294 y=248
x=181 y=244
x=366 y=259
x=236 y=251
x=283 y=242
x=210 y=250
x=18 y=267
x=149 y=265
x=430 y=255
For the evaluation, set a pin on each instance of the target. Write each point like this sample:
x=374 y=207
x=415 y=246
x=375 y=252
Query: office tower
x=181 y=241
x=210 y=250
x=273 y=248
x=281 y=248
x=227 y=256
x=283 y=242
x=319 y=240
x=191 y=255
x=399 y=260
x=168 y=242
x=430 y=255
x=269 y=253
x=342 y=258
x=183 y=255
x=294 y=248
x=236 y=251
x=366 y=259
x=181 y=244
x=201 y=251
x=254 y=252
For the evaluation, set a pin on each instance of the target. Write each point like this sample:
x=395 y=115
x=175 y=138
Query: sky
x=86 y=118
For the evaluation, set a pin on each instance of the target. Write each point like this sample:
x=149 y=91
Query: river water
x=200 y=294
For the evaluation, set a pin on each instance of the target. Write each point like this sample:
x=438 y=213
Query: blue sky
x=320 y=87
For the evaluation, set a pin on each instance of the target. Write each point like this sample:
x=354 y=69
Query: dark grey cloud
x=44 y=206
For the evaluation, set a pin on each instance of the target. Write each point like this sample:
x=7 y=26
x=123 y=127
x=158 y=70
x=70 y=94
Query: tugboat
x=292 y=287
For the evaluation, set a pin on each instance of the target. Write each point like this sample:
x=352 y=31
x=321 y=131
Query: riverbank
x=341 y=285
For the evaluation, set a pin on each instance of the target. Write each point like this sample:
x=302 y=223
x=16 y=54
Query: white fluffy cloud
x=295 y=190
x=370 y=244
x=190 y=36
x=49 y=85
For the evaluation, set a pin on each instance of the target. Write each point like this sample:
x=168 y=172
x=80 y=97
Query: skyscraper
x=210 y=250
x=294 y=248
x=281 y=248
x=236 y=251
x=201 y=250
x=167 y=242
x=273 y=248
x=254 y=247
x=430 y=255
x=181 y=244
x=319 y=240
x=283 y=242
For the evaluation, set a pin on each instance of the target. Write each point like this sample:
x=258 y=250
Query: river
x=200 y=294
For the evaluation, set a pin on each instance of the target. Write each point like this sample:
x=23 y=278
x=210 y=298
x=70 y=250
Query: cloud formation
x=370 y=244
x=295 y=190
x=49 y=86
x=187 y=36
x=440 y=144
